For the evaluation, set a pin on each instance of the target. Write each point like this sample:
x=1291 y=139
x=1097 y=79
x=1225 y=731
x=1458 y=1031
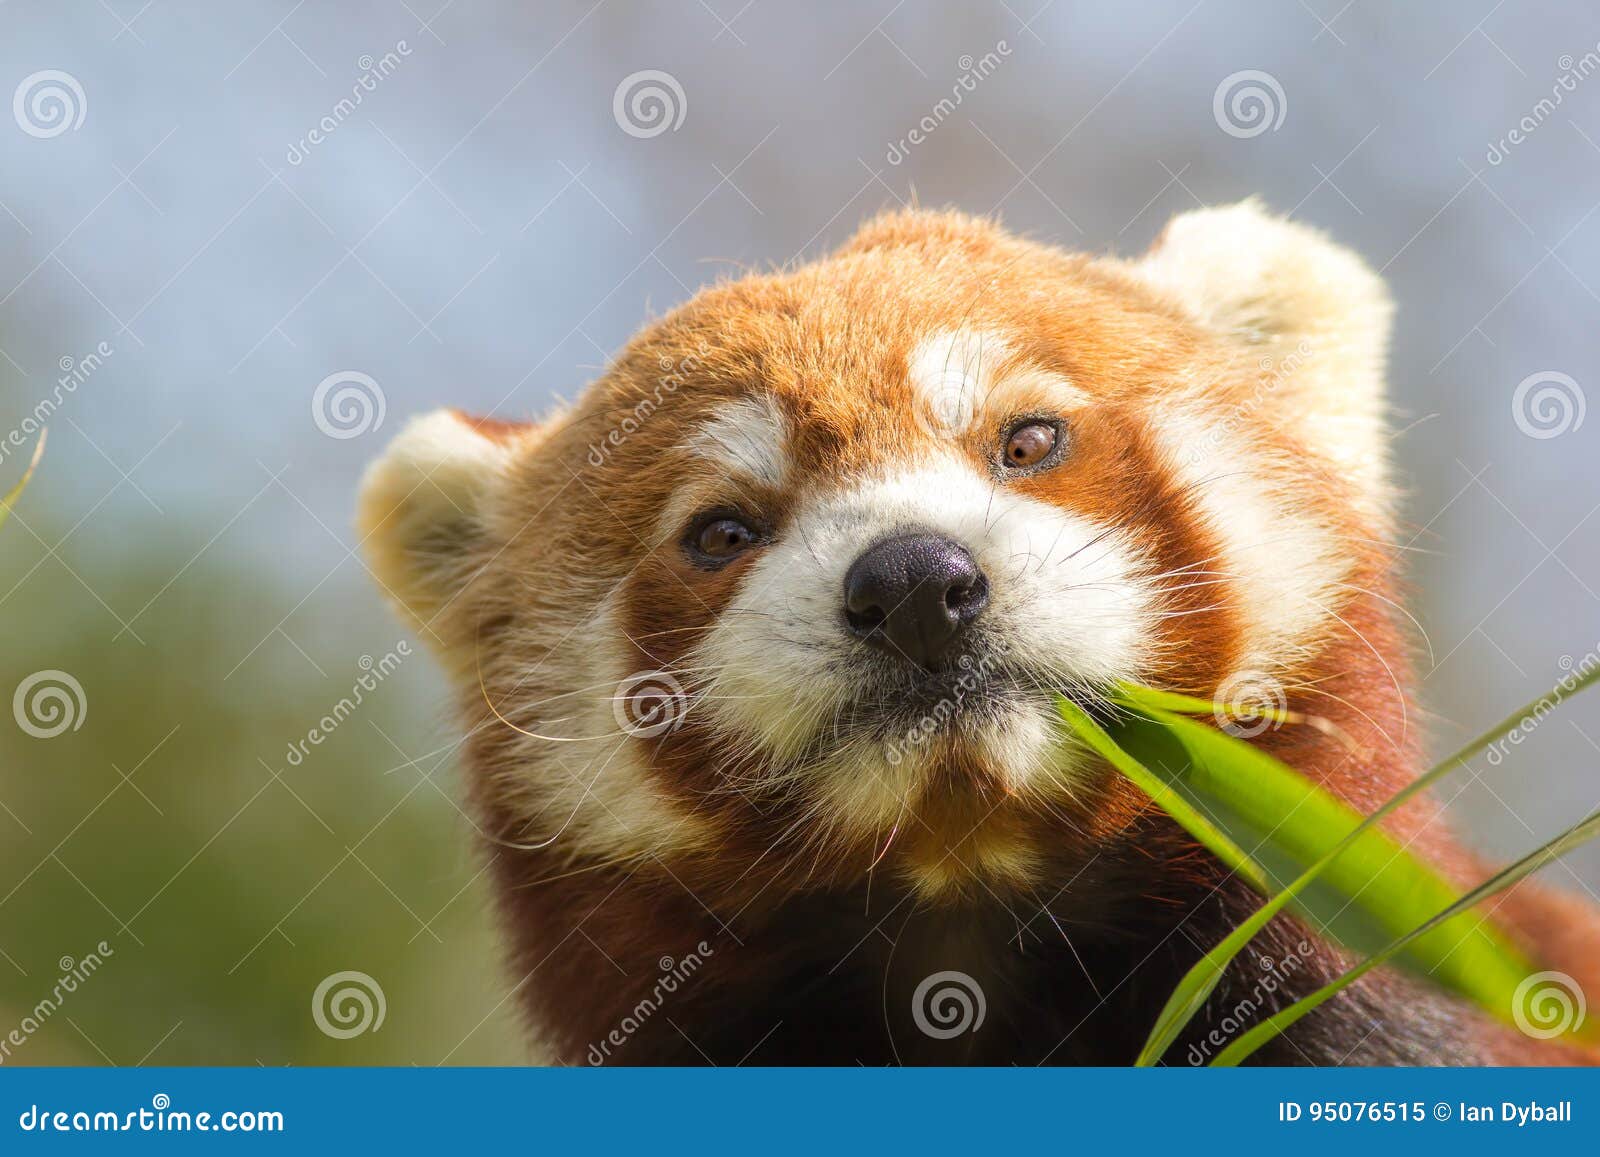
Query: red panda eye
x=1029 y=444
x=722 y=538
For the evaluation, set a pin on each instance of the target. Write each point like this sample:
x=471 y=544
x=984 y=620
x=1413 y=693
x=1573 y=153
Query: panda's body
x=757 y=644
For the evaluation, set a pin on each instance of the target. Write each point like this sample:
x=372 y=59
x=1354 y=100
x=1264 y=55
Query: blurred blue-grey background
x=482 y=228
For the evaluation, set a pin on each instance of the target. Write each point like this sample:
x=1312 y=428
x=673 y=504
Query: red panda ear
x=423 y=510
x=1298 y=300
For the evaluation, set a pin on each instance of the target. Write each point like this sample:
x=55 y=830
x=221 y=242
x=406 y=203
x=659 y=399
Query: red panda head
x=806 y=566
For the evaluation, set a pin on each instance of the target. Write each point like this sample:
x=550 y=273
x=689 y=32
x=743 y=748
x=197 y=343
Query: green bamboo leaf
x=1147 y=699
x=1370 y=893
x=1260 y=1034
x=1201 y=828
x=1153 y=698
x=16 y=491
x=1199 y=982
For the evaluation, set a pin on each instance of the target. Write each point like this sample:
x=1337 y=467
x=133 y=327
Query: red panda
x=756 y=646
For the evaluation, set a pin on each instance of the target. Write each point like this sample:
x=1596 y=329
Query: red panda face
x=808 y=565
x=874 y=578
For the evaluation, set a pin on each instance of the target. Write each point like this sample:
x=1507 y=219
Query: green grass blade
x=16 y=491
x=1274 y=1025
x=1201 y=828
x=1374 y=891
x=1147 y=698
x=1199 y=982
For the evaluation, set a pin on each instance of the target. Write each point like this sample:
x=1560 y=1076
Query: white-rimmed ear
x=422 y=507
x=1315 y=313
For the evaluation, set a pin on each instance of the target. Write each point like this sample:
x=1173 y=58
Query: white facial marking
x=745 y=436
x=1280 y=558
x=952 y=373
x=580 y=775
x=955 y=372
x=1068 y=606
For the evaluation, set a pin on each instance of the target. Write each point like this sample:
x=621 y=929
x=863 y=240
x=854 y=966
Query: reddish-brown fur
x=816 y=940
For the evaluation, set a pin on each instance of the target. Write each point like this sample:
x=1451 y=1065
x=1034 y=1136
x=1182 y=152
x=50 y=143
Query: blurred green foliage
x=171 y=825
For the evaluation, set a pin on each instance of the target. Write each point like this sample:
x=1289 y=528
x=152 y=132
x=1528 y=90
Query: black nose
x=912 y=596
